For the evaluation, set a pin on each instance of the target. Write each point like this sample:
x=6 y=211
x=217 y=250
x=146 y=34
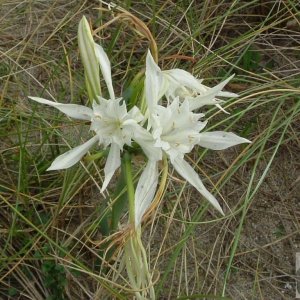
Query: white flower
x=176 y=131
x=111 y=123
x=180 y=83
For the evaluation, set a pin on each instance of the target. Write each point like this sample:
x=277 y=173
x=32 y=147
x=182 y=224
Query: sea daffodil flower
x=176 y=130
x=112 y=125
x=110 y=122
x=180 y=83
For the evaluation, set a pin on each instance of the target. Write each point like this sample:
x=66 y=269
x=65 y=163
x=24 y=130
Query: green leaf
x=134 y=92
x=121 y=201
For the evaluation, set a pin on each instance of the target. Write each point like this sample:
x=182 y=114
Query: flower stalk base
x=137 y=267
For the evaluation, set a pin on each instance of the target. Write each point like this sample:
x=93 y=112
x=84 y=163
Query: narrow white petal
x=145 y=190
x=218 y=88
x=186 y=79
x=228 y=94
x=72 y=110
x=219 y=140
x=189 y=174
x=113 y=162
x=72 y=156
x=199 y=101
x=153 y=82
x=105 y=68
x=222 y=109
x=208 y=97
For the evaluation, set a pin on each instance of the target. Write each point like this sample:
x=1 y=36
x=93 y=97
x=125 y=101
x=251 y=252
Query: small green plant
x=251 y=60
x=55 y=280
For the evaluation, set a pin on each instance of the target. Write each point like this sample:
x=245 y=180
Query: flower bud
x=89 y=60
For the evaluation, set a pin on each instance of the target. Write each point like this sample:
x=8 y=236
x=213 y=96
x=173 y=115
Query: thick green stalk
x=130 y=187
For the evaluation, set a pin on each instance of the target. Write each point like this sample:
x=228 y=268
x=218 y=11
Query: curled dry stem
x=161 y=189
x=137 y=25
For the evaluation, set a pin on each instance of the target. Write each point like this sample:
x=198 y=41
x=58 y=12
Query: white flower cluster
x=172 y=130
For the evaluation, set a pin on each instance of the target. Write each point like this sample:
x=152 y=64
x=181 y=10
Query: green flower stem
x=130 y=187
x=135 y=254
